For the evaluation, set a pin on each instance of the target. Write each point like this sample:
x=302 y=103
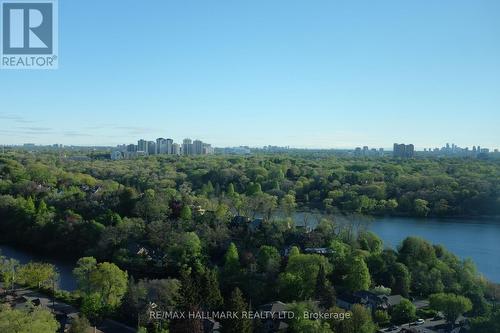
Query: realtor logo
x=29 y=34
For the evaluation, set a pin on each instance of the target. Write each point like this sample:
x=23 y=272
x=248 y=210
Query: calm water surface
x=65 y=268
x=478 y=239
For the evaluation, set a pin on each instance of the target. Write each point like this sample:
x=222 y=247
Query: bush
x=426 y=313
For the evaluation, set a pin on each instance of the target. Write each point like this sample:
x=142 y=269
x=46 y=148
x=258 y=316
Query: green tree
x=421 y=207
x=340 y=252
x=84 y=267
x=370 y=242
x=34 y=320
x=93 y=306
x=79 y=324
x=254 y=189
x=186 y=213
x=232 y=260
x=103 y=285
x=324 y=291
x=451 y=305
x=237 y=304
x=288 y=204
x=293 y=252
x=404 y=312
x=190 y=301
x=358 y=320
x=152 y=206
x=391 y=205
x=486 y=324
x=381 y=318
x=43 y=214
x=210 y=293
x=37 y=275
x=110 y=282
x=9 y=272
x=230 y=190
x=299 y=280
x=164 y=293
x=301 y=324
x=344 y=325
x=402 y=280
x=269 y=259
x=362 y=320
x=186 y=250
x=358 y=276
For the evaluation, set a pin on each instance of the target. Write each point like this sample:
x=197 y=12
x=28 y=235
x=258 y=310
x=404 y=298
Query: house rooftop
x=274 y=307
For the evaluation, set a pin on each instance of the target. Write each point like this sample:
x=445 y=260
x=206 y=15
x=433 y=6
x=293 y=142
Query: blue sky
x=300 y=73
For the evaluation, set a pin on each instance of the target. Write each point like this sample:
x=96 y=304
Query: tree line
x=180 y=233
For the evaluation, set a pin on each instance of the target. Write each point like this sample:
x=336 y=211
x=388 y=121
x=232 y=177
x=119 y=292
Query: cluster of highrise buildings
x=162 y=147
x=454 y=150
x=366 y=151
x=402 y=150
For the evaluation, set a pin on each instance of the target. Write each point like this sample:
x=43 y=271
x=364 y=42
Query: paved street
x=430 y=326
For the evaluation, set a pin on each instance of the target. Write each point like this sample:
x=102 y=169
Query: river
x=64 y=268
x=478 y=239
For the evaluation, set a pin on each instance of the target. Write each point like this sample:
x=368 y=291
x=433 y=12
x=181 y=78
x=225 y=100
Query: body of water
x=474 y=238
x=64 y=268
x=478 y=239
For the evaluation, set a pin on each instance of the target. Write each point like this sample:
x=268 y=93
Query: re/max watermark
x=282 y=315
x=29 y=34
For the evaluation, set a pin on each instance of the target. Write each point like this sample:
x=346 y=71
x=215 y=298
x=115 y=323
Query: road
x=430 y=326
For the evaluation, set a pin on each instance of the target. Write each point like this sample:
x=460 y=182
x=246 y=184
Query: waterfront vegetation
x=217 y=233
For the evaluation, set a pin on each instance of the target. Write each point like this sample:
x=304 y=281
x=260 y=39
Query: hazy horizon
x=179 y=141
x=333 y=74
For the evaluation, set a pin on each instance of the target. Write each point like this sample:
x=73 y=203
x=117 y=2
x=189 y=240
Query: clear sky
x=322 y=73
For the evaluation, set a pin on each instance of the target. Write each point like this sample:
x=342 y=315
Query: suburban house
x=276 y=323
x=211 y=326
x=256 y=224
x=369 y=300
x=239 y=221
x=318 y=250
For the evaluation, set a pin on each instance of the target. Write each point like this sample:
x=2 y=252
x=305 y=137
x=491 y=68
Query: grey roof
x=392 y=300
x=111 y=326
x=274 y=307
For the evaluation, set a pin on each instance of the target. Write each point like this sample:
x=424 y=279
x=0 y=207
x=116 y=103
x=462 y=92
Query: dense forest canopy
x=218 y=232
x=37 y=190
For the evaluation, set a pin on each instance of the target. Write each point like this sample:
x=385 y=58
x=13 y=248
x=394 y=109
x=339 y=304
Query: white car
x=420 y=322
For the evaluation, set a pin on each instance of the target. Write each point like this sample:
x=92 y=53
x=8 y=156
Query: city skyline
x=332 y=74
x=169 y=146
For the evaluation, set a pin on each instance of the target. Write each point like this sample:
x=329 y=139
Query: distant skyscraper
x=176 y=149
x=410 y=150
x=131 y=148
x=151 y=148
x=170 y=143
x=142 y=145
x=197 y=147
x=402 y=150
x=166 y=147
x=161 y=146
x=207 y=149
x=187 y=147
